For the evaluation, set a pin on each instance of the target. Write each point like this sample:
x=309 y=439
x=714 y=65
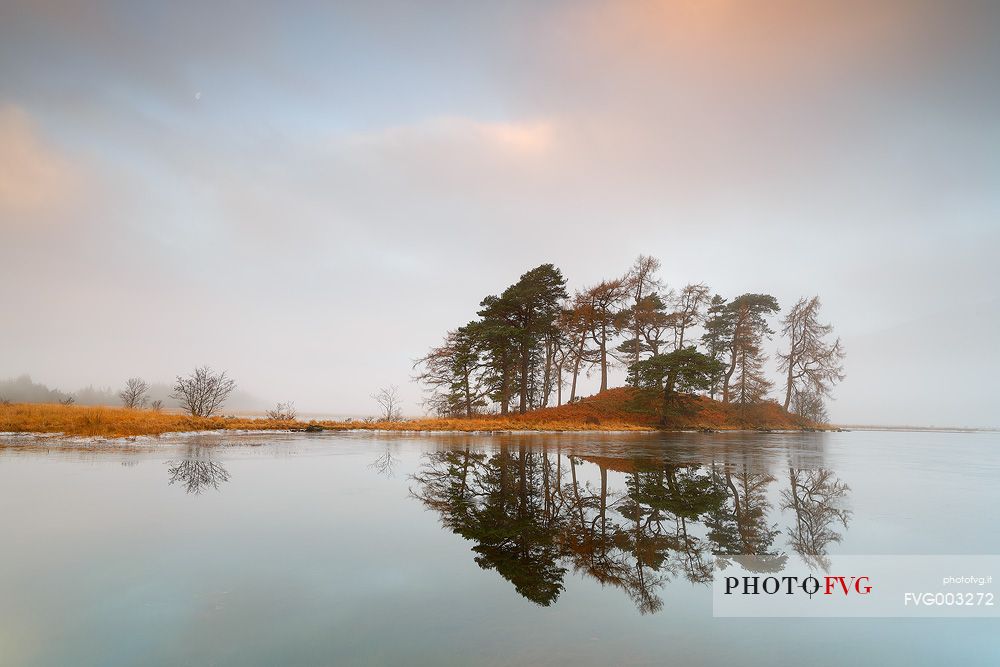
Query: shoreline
x=614 y=411
x=15 y=439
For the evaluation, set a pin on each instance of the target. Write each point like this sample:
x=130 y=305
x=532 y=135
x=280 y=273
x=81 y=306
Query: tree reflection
x=815 y=497
x=385 y=464
x=633 y=524
x=504 y=505
x=197 y=472
x=741 y=524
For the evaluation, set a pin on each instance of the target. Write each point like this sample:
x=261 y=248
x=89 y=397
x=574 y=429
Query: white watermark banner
x=859 y=586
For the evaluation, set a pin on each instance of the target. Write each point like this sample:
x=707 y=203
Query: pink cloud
x=35 y=179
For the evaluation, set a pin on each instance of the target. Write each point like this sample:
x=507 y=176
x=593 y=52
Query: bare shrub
x=389 y=403
x=69 y=400
x=809 y=406
x=283 y=412
x=156 y=406
x=202 y=393
x=134 y=393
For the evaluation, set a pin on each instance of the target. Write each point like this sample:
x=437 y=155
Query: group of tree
x=23 y=389
x=534 y=340
x=202 y=393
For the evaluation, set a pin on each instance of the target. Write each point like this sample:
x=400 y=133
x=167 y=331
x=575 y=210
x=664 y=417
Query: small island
x=517 y=366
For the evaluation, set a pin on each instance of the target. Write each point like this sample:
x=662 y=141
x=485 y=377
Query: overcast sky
x=310 y=197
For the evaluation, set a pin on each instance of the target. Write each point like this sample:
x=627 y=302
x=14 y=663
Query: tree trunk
x=635 y=352
x=525 y=358
x=505 y=387
x=468 y=394
x=727 y=377
x=604 y=358
x=791 y=366
x=547 y=374
x=576 y=371
x=668 y=393
x=559 y=384
x=788 y=387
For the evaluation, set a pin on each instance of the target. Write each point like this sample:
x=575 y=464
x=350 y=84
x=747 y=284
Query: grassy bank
x=620 y=409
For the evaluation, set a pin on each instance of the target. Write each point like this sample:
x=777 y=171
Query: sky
x=309 y=195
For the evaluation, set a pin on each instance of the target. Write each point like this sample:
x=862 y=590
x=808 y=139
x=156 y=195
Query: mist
x=310 y=200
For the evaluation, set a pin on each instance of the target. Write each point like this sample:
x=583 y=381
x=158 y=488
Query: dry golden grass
x=108 y=422
x=618 y=409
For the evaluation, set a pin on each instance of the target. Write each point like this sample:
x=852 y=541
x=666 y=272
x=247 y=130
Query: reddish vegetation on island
x=622 y=408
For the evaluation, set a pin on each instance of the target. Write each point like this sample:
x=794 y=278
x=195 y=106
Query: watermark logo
x=811 y=585
x=843 y=586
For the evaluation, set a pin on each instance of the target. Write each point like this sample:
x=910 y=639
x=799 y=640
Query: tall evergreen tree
x=497 y=332
x=745 y=377
x=734 y=333
x=526 y=312
x=718 y=332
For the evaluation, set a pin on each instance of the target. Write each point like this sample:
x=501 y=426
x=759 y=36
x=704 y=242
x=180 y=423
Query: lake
x=540 y=549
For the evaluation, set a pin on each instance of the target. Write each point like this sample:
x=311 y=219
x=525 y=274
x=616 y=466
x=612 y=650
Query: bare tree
x=156 y=406
x=562 y=355
x=601 y=312
x=690 y=304
x=809 y=406
x=573 y=323
x=134 y=394
x=203 y=392
x=283 y=412
x=811 y=363
x=389 y=403
x=641 y=283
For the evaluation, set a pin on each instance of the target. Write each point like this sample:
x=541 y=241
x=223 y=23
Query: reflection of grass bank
x=614 y=410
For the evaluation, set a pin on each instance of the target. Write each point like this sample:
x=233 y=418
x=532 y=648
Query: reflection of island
x=532 y=516
x=197 y=471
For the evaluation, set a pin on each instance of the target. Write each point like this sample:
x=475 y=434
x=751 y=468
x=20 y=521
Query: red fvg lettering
x=846 y=585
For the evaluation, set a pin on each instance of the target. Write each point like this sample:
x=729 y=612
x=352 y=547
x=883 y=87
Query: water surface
x=340 y=549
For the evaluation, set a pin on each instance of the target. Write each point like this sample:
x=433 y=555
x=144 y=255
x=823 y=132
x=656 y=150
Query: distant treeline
x=532 y=341
x=23 y=389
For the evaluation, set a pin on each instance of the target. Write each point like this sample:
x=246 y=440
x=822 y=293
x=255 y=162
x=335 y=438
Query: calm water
x=461 y=550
